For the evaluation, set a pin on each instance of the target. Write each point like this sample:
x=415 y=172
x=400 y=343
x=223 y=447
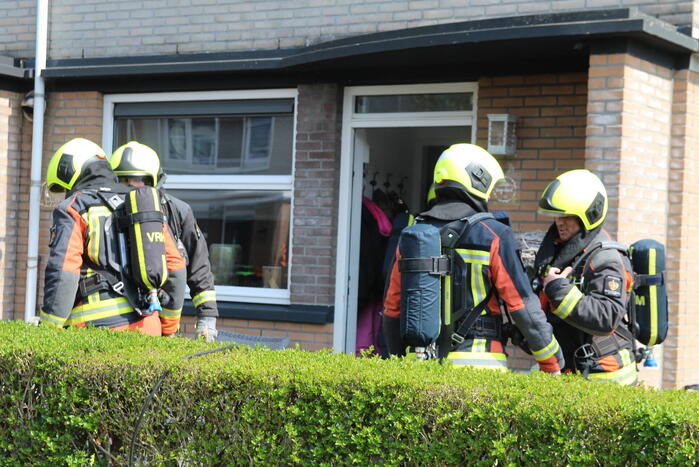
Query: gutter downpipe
x=42 y=8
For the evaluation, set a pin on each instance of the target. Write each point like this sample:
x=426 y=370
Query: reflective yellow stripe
x=102 y=309
x=139 y=245
x=487 y=360
x=156 y=201
x=625 y=355
x=626 y=375
x=547 y=352
x=474 y=256
x=477 y=285
x=653 y=300
x=53 y=320
x=446 y=299
x=205 y=296
x=94 y=217
x=568 y=303
x=479 y=345
x=156 y=206
x=173 y=314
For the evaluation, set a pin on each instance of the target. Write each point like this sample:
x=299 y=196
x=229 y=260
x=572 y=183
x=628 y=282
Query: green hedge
x=72 y=397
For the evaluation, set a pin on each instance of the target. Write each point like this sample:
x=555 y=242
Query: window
x=229 y=155
x=397 y=103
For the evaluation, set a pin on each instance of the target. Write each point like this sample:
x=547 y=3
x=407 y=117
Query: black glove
x=391 y=331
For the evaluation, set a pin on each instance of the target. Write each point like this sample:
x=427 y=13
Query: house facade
x=274 y=118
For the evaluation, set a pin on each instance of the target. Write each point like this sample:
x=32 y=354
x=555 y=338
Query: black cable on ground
x=151 y=396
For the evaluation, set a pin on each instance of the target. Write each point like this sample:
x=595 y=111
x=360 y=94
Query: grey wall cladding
x=105 y=28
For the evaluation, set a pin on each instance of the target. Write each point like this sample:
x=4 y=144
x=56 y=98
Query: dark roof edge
x=624 y=22
x=15 y=68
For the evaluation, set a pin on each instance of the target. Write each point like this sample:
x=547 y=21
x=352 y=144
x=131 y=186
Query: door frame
x=350 y=190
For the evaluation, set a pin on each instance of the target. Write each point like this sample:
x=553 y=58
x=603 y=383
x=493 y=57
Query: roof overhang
x=14 y=76
x=539 y=42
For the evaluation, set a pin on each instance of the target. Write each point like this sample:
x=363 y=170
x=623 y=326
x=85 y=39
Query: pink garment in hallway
x=368 y=327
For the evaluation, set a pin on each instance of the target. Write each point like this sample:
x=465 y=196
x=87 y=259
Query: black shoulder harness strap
x=451 y=234
x=599 y=246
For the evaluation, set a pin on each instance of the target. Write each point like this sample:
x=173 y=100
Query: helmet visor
x=546 y=204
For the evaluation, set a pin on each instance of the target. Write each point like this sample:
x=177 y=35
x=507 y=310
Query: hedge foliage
x=73 y=397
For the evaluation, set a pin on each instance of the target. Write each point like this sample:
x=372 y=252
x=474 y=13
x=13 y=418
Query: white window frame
x=222 y=182
x=349 y=210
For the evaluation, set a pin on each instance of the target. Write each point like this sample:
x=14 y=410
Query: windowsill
x=310 y=314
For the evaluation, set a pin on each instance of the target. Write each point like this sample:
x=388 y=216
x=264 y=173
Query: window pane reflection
x=247 y=233
x=446 y=102
x=214 y=145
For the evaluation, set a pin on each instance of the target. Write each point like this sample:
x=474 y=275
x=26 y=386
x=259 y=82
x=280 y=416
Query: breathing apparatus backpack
x=432 y=275
x=139 y=262
x=647 y=309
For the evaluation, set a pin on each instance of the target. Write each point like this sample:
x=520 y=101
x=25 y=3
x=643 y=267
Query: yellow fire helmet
x=576 y=193
x=68 y=161
x=468 y=167
x=134 y=159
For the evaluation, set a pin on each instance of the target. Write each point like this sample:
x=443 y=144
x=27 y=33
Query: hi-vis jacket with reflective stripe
x=200 y=279
x=489 y=251
x=80 y=247
x=590 y=312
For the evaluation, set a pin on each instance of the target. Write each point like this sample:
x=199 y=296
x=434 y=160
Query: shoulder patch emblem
x=612 y=286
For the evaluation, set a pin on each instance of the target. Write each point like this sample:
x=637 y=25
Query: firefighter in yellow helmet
x=464 y=178
x=84 y=282
x=137 y=164
x=582 y=285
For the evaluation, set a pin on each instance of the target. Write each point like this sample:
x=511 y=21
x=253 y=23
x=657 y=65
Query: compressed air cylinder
x=648 y=258
x=420 y=290
x=147 y=242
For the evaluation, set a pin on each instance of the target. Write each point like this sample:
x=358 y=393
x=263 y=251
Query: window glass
x=445 y=102
x=260 y=144
x=209 y=148
x=247 y=233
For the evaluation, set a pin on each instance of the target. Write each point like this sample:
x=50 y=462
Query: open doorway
x=396 y=175
x=391 y=138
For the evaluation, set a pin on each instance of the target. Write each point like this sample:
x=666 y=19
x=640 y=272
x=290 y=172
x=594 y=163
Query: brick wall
x=629 y=134
x=11 y=122
x=188 y=26
x=682 y=347
x=629 y=122
x=551 y=120
x=316 y=185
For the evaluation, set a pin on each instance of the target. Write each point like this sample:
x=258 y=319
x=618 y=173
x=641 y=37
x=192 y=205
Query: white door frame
x=349 y=204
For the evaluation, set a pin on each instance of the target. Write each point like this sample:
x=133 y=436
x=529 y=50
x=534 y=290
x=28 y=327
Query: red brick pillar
x=682 y=346
x=630 y=107
x=11 y=136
